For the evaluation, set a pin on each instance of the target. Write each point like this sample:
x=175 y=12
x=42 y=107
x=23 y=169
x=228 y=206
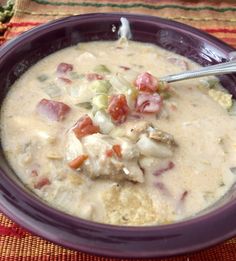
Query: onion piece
x=121 y=85
x=51 y=89
x=103 y=121
x=73 y=146
x=81 y=94
x=151 y=148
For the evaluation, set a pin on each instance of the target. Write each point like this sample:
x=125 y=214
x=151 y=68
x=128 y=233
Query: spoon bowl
x=218 y=69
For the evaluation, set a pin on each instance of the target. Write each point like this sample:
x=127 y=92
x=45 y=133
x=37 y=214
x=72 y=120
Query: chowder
x=92 y=131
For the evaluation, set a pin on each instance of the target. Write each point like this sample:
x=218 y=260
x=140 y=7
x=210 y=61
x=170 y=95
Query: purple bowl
x=210 y=227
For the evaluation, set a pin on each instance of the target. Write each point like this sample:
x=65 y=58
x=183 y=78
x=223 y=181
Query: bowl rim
x=22 y=216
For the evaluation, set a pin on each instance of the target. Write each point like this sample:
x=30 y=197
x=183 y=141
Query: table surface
x=215 y=17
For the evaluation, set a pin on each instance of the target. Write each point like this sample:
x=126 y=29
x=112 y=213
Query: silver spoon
x=222 y=68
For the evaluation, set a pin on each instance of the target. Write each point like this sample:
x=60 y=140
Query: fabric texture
x=215 y=17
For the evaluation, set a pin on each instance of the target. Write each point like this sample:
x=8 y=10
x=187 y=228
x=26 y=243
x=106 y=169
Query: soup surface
x=92 y=132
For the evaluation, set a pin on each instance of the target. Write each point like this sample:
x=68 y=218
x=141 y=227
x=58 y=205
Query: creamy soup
x=92 y=132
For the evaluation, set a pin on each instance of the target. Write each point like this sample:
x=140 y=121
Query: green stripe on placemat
x=6 y=11
x=135 y=5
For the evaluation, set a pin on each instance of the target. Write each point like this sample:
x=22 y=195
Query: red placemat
x=215 y=17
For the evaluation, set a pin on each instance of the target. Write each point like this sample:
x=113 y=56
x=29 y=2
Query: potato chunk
x=129 y=204
x=223 y=98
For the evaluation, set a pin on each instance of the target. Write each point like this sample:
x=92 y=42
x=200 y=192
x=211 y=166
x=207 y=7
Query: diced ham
x=63 y=68
x=53 y=110
x=65 y=80
x=94 y=76
x=34 y=173
x=118 y=108
x=148 y=103
x=84 y=127
x=124 y=68
x=180 y=204
x=146 y=82
x=169 y=166
x=163 y=189
x=43 y=181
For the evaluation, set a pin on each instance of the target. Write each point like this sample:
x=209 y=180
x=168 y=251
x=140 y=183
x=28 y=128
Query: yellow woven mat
x=215 y=17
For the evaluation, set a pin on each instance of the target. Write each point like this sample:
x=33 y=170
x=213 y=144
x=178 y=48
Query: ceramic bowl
x=210 y=227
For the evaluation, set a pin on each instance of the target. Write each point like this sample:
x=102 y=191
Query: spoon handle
x=222 y=68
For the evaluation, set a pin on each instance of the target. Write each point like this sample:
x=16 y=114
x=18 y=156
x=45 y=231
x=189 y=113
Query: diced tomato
x=118 y=108
x=65 y=80
x=64 y=68
x=148 y=103
x=94 y=76
x=53 y=110
x=77 y=162
x=42 y=182
x=146 y=82
x=117 y=149
x=109 y=153
x=84 y=127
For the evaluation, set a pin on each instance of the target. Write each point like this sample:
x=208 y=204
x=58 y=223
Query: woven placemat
x=215 y=17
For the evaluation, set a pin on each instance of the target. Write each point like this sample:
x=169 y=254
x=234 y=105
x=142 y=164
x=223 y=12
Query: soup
x=92 y=131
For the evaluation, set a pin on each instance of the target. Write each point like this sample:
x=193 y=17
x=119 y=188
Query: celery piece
x=85 y=105
x=213 y=82
x=132 y=92
x=52 y=90
x=100 y=86
x=101 y=68
x=100 y=102
x=42 y=77
x=209 y=82
x=232 y=110
x=165 y=95
x=75 y=75
x=162 y=86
